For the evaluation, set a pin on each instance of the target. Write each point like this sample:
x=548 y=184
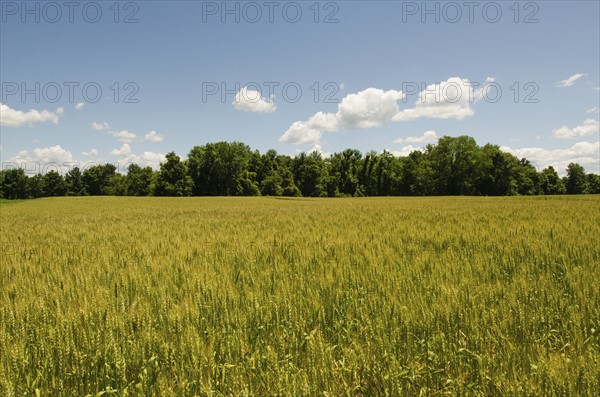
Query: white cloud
x=366 y=109
x=405 y=151
x=570 y=81
x=301 y=134
x=52 y=154
x=15 y=118
x=427 y=137
x=589 y=127
x=374 y=107
x=123 y=135
x=251 y=101
x=593 y=110
x=79 y=106
x=92 y=152
x=585 y=153
x=450 y=99
x=319 y=149
x=144 y=160
x=42 y=159
x=153 y=136
x=123 y=151
x=99 y=126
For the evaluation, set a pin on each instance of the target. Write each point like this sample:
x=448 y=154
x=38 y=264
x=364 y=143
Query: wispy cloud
x=570 y=81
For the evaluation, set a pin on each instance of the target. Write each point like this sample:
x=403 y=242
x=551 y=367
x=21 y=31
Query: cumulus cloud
x=153 y=136
x=251 y=101
x=99 y=126
x=319 y=149
x=52 y=154
x=15 y=118
x=123 y=135
x=427 y=137
x=127 y=156
x=146 y=159
x=123 y=151
x=79 y=106
x=366 y=109
x=92 y=152
x=585 y=153
x=300 y=133
x=41 y=160
x=374 y=107
x=450 y=99
x=570 y=81
x=589 y=127
x=405 y=151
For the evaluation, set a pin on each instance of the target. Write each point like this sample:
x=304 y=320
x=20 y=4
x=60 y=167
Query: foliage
x=455 y=166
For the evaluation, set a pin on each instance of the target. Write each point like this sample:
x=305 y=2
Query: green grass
x=255 y=296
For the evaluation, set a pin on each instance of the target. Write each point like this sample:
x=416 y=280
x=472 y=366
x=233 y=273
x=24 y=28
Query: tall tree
x=173 y=178
x=576 y=180
x=74 y=181
x=97 y=179
x=418 y=177
x=217 y=169
x=36 y=186
x=54 y=184
x=528 y=183
x=457 y=164
x=14 y=184
x=499 y=171
x=550 y=182
x=308 y=170
x=139 y=181
x=593 y=183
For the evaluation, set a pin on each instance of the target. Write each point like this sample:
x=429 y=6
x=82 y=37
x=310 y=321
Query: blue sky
x=370 y=75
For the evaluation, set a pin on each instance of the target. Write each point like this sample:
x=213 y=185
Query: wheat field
x=300 y=297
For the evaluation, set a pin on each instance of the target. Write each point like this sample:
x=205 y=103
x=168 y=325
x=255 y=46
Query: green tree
x=576 y=181
x=54 y=184
x=528 y=182
x=308 y=171
x=246 y=184
x=139 y=181
x=343 y=172
x=217 y=169
x=418 y=178
x=550 y=182
x=36 y=186
x=74 y=181
x=97 y=179
x=271 y=185
x=499 y=171
x=457 y=164
x=14 y=184
x=173 y=178
x=593 y=183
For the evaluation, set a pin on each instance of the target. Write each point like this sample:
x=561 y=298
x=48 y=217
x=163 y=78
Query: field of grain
x=300 y=297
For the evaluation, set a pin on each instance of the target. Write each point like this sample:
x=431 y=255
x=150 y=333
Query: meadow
x=459 y=296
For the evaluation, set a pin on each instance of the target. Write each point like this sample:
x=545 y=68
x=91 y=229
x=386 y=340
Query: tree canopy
x=453 y=166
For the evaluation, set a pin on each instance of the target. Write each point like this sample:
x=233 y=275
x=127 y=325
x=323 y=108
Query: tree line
x=453 y=166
